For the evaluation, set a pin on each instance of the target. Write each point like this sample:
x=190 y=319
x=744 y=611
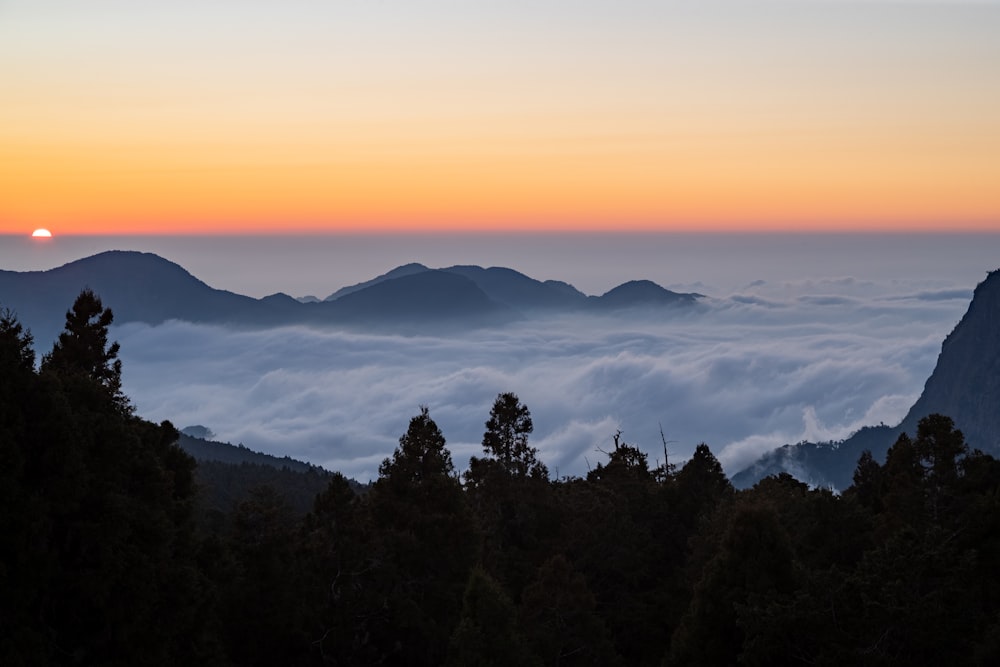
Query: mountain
x=642 y=293
x=202 y=449
x=143 y=287
x=517 y=290
x=965 y=385
x=140 y=287
x=520 y=292
x=398 y=272
x=432 y=297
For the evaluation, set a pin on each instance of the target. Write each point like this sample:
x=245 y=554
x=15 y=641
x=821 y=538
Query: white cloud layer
x=773 y=364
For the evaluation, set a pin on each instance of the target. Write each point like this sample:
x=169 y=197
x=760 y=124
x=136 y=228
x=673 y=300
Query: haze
x=746 y=372
x=800 y=337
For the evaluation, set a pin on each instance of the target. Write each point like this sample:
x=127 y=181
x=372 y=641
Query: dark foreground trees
x=106 y=560
x=97 y=533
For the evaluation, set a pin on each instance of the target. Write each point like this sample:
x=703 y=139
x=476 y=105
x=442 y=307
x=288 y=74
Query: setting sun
x=41 y=234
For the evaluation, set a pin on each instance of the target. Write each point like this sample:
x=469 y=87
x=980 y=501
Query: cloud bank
x=775 y=363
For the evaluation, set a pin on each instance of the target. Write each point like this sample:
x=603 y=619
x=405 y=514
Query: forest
x=109 y=554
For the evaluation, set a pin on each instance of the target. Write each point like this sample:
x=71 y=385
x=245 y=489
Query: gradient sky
x=187 y=116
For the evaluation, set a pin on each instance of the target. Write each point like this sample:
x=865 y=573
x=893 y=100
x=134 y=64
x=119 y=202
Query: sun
x=41 y=233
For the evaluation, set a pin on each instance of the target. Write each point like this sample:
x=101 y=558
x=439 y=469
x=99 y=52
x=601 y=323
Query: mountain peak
x=399 y=272
x=643 y=293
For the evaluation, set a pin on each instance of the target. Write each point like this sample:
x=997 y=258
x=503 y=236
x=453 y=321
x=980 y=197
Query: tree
x=82 y=349
x=487 y=633
x=263 y=606
x=700 y=485
x=421 y=455
x=559 y=618
x=17 y=364
x=868 y=482
x=506 y=438
x=342 y=602
x=509 y=491
x=16 y=351
x=622 y=545
x=97 y=534
x=754 y=561
x=424 y=543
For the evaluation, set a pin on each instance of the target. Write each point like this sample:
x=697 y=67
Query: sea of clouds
x=768 y=364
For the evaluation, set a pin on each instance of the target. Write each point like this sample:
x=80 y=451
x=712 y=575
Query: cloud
x=744 y=373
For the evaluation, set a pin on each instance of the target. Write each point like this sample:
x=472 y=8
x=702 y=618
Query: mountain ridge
x=144 y=287
x=964 y=385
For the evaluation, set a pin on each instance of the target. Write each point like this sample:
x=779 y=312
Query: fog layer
x=773 y=363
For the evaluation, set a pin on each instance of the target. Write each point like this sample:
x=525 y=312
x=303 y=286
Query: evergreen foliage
x=82 y=349
x=98 y=531
x=487 y=633
x=116 y=550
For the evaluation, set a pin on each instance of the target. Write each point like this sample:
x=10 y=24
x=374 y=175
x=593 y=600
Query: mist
x=765 y=365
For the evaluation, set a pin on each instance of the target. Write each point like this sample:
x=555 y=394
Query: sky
x=305 y=116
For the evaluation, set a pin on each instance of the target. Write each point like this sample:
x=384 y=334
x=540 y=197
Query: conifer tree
x=82 y=349
x=424 y=542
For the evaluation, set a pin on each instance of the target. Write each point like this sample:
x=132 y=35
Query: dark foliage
x=116 y=549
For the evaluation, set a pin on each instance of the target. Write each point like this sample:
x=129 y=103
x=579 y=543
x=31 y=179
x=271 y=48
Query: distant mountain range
x=965 y=386
x=143 y=287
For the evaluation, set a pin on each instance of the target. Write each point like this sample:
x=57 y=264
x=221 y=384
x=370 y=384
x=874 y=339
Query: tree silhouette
x=16 y=351
x=82 y=349
x=510 y=492
x=421 y=455
x=424 y=544
x=487 y=633
x=558 y=614
x=506 y=438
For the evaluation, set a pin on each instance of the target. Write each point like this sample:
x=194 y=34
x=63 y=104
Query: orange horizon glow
x=787 y=188
x=907 y=226
x=389 y=118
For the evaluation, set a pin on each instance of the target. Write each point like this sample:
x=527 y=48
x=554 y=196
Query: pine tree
x=424 y=544
x=82 y=349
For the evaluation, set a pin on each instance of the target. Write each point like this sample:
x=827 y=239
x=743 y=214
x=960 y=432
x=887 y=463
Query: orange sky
x=752 y=115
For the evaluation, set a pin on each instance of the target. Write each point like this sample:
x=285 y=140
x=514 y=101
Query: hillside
x=965 y=385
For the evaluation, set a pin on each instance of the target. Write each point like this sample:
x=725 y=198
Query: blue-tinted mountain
x=140 y=287
x=398 y=272
x=642 y=293
x=432 y=297
x=965 y=386
x=523 y=293
x=143 y=287
x=517 y=290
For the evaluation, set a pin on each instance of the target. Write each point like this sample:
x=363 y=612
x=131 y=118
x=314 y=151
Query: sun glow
x=41 y=234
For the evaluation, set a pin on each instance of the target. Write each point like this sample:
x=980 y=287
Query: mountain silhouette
x=642 y=293
x=517 y=290
x=430 y=297
x=965 y=385
x=140 y=287
x=398 y=272
x=143 y=287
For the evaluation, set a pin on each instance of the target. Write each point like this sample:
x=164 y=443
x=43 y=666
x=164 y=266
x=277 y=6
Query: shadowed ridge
x=517 y=290
x=965 y=385
x=138 y=286
x=399 y=272
x=642 y=293
x=429 y=298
